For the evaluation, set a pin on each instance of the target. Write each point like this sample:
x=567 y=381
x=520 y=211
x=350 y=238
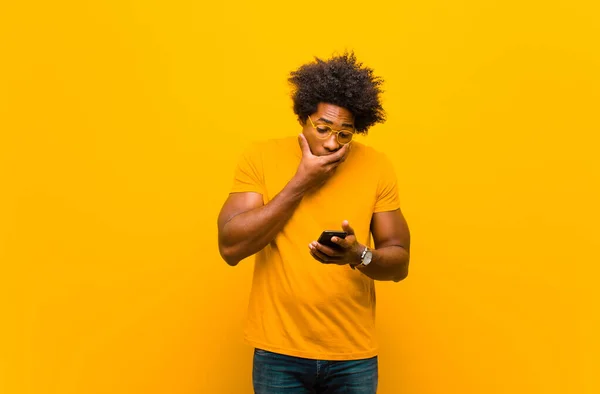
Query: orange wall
x=120 y=123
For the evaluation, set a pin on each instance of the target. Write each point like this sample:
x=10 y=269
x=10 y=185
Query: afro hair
x=342 y=81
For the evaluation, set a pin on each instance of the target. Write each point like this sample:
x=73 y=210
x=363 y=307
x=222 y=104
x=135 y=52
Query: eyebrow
x=330 y=122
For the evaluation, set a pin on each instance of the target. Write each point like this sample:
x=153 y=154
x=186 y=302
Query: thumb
x=346 y=227
x=304 y=145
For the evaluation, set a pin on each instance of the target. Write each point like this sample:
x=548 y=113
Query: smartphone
x=325 y=238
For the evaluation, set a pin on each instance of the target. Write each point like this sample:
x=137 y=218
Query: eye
x=323 y=129
x=345 y=135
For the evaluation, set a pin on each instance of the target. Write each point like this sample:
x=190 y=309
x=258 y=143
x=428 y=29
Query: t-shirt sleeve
x=387 y=187
x=248 y=174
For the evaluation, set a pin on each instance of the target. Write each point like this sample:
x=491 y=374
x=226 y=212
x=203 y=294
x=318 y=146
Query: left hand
x=348 y=253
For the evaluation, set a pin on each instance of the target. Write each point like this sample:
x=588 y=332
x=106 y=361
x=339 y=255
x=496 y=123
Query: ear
x=301 y=122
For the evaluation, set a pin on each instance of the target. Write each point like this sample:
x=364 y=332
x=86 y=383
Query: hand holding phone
x=327 y=252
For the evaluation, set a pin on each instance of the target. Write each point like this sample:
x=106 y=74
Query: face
x=333 y=116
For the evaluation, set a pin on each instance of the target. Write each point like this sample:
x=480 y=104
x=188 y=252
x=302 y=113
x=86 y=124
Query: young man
x=311 y=317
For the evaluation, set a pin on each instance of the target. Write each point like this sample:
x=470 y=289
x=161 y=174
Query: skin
x=246 y=225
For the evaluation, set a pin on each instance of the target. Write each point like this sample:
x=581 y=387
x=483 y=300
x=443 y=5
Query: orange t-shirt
x=299 y=306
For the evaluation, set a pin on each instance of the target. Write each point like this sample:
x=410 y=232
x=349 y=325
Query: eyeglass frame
x=331 y=130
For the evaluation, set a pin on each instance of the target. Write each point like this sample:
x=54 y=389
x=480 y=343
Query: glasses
x=324 y=131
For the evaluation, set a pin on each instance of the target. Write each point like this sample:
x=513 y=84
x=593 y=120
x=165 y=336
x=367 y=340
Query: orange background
x=120 y=124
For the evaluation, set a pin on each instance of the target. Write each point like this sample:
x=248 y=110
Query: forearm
x=249 y=232
x=388 y=264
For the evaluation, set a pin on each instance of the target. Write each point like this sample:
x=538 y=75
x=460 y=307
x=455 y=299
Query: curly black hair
x=341 y=81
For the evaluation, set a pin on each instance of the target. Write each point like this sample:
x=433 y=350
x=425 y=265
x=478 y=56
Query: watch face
x=367 y=258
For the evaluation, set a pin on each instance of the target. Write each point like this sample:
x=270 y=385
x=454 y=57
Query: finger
x=333 y=165
x=331 y=253
x=304 y=145
x=338 y=156
x=314 y=256
x=313 y=246
x=346 y=227
x=319 y=256
x=342 y=153
x=341 y=242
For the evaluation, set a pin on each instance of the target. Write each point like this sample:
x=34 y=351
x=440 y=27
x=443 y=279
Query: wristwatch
x=365 y=258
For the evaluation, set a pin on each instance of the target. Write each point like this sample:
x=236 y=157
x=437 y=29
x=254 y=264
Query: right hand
x=314 y=171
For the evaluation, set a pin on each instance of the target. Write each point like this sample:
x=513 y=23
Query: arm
x=392 y=247
x=246 y=225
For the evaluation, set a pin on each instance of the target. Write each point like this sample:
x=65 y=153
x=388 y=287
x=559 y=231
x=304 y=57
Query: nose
x=331 y=143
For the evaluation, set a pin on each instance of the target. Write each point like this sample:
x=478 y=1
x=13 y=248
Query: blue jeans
x=274 y=373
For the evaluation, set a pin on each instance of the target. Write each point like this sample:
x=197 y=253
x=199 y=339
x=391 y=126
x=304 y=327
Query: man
x=311 y=316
